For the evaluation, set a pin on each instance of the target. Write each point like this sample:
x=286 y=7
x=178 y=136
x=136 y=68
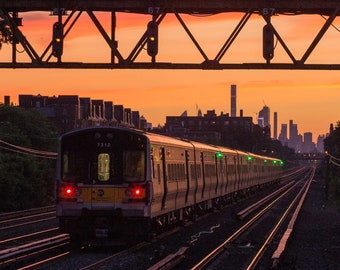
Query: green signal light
x=219 y=155
x=274 y=161
x=281 y=163
x=265 y=161
x=249 y=158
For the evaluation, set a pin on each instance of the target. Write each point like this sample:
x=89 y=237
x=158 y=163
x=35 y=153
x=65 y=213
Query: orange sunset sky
x=309 y=98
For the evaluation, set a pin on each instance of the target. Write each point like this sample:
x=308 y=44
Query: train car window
x=192 y=172
x=210 y=170
x=103 y=167
x=134 y=165
x=65 y=164
x=198 y=171
x=74 y=167
x=170 y=178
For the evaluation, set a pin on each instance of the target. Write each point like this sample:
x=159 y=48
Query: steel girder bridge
x=67 y=14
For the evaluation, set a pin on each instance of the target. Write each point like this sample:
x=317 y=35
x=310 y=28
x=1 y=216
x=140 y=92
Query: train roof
x=162 y=139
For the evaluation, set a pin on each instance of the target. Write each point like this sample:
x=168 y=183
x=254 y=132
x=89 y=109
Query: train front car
x=103 y=185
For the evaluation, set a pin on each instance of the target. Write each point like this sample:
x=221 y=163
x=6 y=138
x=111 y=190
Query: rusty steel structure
x=67 y=13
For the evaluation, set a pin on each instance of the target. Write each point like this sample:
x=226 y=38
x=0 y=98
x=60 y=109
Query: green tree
x=332 y=147
x=26 y=180
x=332 y=142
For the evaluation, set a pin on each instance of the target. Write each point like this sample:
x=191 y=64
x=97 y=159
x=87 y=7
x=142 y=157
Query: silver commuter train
x=118 y=182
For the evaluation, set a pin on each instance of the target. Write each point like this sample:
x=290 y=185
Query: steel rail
x=218 y=250
x=259 y=254
x=27 y=235
x=31 y=247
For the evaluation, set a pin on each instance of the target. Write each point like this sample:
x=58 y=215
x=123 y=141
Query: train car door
x=103 y=195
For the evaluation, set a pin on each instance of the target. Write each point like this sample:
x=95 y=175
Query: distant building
x=7 y=100
x=109 y=111
x=293 y=135
x=233 y=100
x=275 y=126
x=283 y=135
x=208 y=128
x=320 y=144
x=264 y=118
x=70 y=112
x=308 y=145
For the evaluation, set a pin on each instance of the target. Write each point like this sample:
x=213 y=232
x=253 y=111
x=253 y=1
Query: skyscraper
x=233 y=100
x=293 y=136
x=308 y=145
x=283 y=134
x=275 y=125
x=264 y=117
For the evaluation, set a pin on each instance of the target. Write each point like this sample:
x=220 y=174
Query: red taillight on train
x=69 y=191
x=135 y=193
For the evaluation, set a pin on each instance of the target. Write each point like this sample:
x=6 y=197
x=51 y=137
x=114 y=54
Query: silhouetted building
x=119 y=113
x=128 y=116
x=135 y=119
x=308 y=145
x=109 y=110
x=210 y=128
x=233 y=100
x=264 y=117
x=320 y=144
x=283 y=135
x=98 y=109
x=294 y=140
x=70 y=112
x=85 y=108
x=275 y=126
x=143 y=124
x=7 y=100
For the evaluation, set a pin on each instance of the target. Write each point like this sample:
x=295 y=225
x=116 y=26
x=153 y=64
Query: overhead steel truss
x=68 y=12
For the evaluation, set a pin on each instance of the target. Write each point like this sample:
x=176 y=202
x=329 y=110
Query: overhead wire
x=27 y=151
x=335 y=161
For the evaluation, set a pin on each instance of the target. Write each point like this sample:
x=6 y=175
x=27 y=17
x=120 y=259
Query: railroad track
x=25 y=226
x=182 y=247
x=250 y=242
x=13 y=220
x=26 y=234
x=16 y=257
x=177 y=249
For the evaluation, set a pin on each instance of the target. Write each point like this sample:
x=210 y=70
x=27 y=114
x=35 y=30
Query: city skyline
x=199 y=112
x=309 y=97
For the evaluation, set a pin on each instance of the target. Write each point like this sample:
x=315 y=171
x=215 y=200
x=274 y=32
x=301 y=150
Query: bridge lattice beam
x=9 y=10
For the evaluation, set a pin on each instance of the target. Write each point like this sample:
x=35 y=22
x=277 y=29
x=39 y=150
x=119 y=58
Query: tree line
x=26 y=178
x=332 y=149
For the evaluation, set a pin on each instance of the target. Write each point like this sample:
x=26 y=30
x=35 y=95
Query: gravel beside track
x=315 y=241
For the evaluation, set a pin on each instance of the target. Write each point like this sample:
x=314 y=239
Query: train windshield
x=96 y=161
